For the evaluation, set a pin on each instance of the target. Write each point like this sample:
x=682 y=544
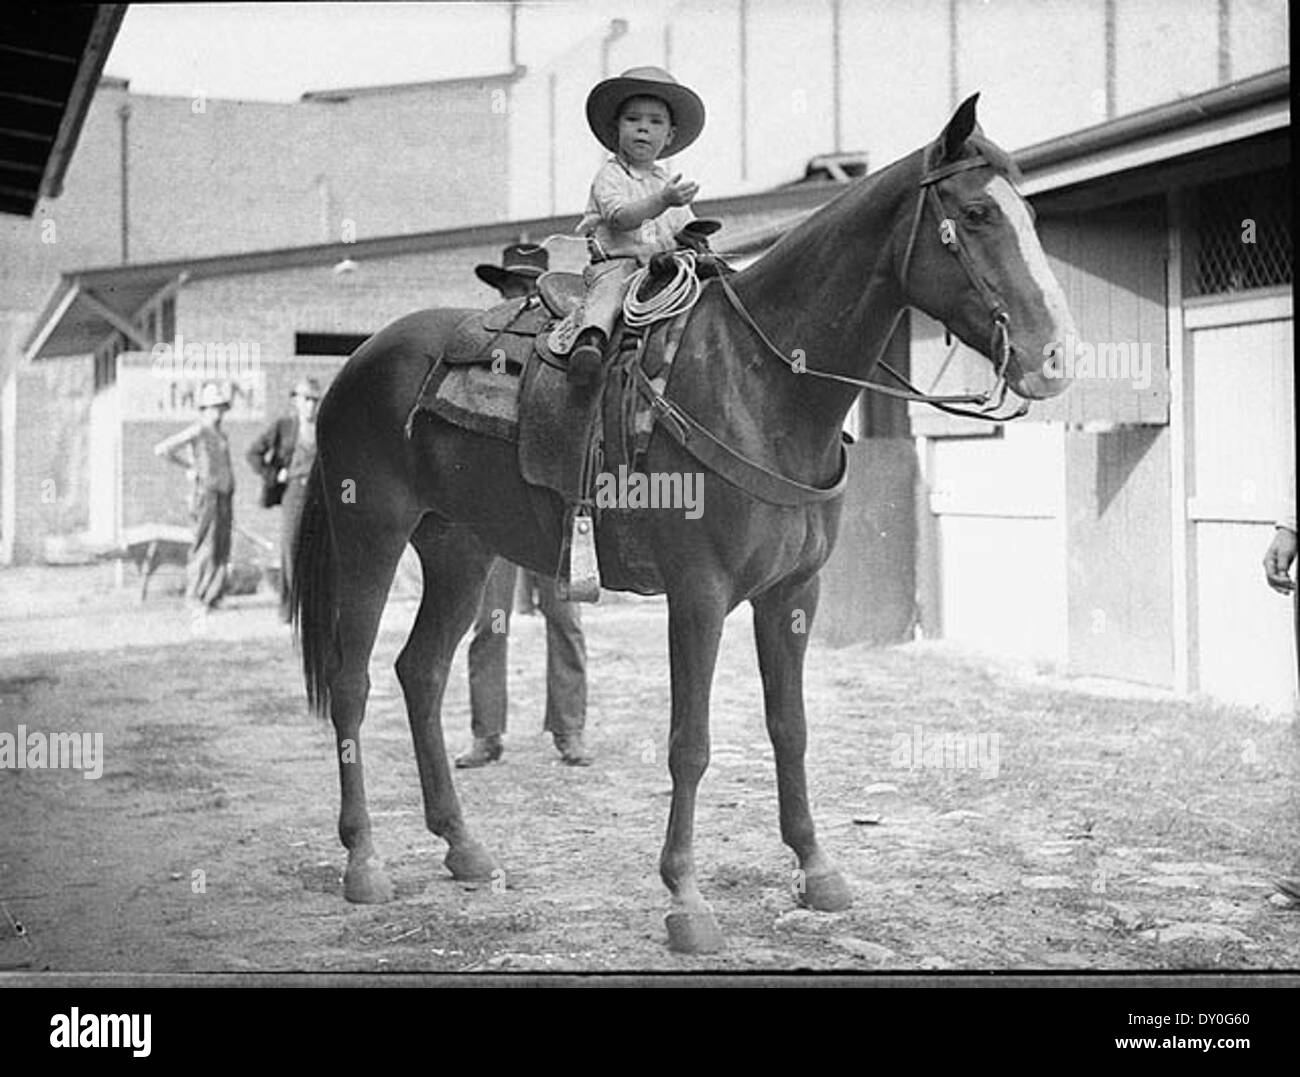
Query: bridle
x=985 y=403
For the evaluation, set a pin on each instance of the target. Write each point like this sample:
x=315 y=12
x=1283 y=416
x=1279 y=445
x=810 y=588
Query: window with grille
x=1241 y=234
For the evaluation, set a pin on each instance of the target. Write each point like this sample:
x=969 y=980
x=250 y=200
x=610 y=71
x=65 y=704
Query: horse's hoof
x=367 y=885
x=827 y=892
x=693 y=932
x=471 y=862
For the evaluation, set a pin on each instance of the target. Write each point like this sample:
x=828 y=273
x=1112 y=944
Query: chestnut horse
x=770 y=362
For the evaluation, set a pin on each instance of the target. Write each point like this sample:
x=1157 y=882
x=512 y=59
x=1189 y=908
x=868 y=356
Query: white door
x=1242 y=444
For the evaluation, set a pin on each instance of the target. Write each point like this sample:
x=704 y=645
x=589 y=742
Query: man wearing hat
x=636 y=206
x=283 y=455
x=204 y=451
x=566 y=649
x=521 y=265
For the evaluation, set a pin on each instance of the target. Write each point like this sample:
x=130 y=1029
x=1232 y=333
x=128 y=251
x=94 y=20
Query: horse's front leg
x=782 y=620
x=695 y=617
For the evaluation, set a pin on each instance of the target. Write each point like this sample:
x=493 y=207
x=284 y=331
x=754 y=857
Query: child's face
x=645 y=129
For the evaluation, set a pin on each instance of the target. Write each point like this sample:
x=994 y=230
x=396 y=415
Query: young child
x=635 y=208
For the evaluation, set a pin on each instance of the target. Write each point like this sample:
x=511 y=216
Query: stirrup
x=583 y=584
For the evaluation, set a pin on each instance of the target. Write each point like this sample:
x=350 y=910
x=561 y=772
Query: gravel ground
x=1106 y=828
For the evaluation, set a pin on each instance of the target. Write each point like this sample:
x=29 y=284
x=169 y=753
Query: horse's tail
x=311 y=596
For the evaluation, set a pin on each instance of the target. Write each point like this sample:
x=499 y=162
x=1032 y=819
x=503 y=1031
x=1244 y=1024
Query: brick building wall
x=208 y=176
x=44 y=419
x=269 y=308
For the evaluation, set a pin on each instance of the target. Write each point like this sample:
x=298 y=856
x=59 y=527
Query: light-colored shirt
x=209 y=456
x=617 y=184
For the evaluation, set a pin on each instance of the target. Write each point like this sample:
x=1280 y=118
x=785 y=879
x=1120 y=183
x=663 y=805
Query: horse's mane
x=810 y=232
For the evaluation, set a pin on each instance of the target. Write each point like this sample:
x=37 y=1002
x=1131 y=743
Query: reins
x=984 y=403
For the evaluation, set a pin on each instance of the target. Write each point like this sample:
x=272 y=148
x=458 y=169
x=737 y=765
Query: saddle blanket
x=477 y=384
x=476 y=398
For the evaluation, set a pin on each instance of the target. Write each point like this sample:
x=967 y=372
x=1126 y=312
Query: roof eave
x=1269 y=88
x=108 y=18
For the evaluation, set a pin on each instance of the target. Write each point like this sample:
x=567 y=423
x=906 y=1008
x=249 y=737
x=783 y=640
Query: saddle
x=498 y=377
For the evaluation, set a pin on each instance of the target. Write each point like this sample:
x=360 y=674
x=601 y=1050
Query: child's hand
x=680 y=192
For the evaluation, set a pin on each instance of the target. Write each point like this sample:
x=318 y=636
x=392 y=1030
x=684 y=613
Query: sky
x=276 y=52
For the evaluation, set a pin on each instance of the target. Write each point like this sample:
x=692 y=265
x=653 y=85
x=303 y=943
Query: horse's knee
x=687 y=763
x=789 y=739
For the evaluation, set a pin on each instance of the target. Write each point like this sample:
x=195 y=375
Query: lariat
x=676 y=297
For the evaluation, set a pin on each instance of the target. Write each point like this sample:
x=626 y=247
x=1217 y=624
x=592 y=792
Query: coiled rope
x=677 y=296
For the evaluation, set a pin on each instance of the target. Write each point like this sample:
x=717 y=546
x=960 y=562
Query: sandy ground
x=1122 y=831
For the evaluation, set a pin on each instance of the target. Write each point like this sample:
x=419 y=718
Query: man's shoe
x=573 y=751
x=485 y=750
x=1289 y=886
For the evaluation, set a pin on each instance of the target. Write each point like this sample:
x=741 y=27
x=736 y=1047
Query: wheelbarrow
x=148 y=546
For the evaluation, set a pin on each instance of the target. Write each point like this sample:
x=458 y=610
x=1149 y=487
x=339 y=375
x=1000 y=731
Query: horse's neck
x=827 y=296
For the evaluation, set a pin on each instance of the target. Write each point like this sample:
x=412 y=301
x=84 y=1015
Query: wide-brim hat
x=518 y=260
x=607 y=97
x=213 y=396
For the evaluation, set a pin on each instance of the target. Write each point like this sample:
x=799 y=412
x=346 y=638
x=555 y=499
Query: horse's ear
x=959 y=129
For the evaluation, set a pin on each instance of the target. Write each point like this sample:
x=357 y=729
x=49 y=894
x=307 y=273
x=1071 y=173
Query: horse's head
x=971 y=259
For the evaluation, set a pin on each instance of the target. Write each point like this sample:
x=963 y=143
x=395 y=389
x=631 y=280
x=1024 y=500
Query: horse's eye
x=977 y=214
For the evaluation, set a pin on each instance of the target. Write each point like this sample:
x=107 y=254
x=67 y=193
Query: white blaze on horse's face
x=1039 y=330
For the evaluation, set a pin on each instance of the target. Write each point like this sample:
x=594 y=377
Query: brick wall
x=155 y=491
x=46 y=459
x=218 y=177
x=267 y=309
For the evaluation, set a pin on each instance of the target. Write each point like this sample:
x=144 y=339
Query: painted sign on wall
x=165 y=383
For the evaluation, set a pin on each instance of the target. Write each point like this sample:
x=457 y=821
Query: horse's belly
x=473 y=479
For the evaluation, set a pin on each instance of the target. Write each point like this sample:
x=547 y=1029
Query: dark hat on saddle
x=606 y=99
x=519 y=260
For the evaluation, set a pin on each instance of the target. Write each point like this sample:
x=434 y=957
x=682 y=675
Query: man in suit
x=283 y=455
x=566 y=648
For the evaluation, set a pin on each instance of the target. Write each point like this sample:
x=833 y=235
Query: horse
x=769 y=364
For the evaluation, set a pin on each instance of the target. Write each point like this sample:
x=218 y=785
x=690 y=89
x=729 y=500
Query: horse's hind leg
x=454 y=565
x=782 y=618
x=366 y=565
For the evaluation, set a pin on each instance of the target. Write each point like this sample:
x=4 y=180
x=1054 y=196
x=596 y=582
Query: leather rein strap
x=752 y=477
x=985 y=403
x=775 y=489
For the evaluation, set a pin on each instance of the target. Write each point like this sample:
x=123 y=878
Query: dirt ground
x=1122 y=831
